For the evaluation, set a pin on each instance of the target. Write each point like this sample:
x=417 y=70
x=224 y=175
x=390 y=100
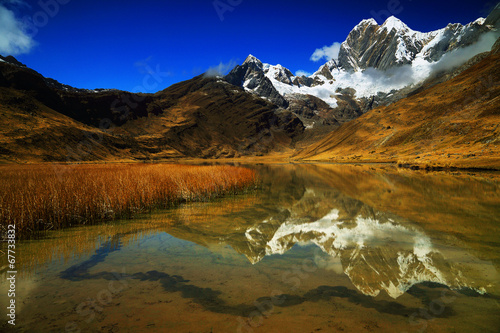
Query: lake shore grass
x=36 y=198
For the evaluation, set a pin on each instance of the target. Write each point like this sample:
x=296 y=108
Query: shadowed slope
x=43 y=120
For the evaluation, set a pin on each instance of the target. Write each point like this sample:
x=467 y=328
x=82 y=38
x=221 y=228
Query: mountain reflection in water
x=414 y=236
x=380 y=244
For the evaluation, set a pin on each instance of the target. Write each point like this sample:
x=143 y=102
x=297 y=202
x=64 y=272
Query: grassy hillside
x=453 y=124
x=31 y=131
x=44 y=121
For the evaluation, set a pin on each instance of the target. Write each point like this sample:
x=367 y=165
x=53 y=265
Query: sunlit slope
x=31 y=131
x=205 y=117
x=209 y=118
x=453 y=124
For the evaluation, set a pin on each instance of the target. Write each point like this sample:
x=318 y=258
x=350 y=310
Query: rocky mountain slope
x=377 y=65
x=260 y=109
x=394 y=43
x=43 y=120
x=454 y=123
x=210 y=118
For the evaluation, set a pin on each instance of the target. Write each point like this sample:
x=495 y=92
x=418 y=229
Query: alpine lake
x=316 y=248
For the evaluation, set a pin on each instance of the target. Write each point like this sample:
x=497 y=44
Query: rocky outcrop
x=312 y=110
x=250 y=75
x=394 y=43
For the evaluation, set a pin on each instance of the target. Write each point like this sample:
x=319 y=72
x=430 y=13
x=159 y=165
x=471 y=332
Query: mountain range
x=201 y=117
x=376 y=101
x=376 y=65
x=452 y=124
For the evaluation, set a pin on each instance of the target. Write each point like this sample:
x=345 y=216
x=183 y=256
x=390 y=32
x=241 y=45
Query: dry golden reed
x=43 y=197
x=67 y=245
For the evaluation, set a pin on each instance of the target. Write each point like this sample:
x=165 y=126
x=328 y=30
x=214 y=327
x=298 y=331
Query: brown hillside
x=43 y=120
x=30 y=131
x=207 y=117
x=453 y=124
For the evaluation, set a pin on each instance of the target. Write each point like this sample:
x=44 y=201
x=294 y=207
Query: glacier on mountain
x=389 y=57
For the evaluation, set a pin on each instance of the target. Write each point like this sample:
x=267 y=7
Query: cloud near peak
x=13 y=39
x=327 y=52
x=301 y=72
x=221 y=69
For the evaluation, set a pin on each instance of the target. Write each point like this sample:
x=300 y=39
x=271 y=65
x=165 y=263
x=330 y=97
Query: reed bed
x=66 y=245
x=44 y=197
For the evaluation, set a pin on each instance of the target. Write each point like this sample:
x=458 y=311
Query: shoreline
x=39 y=198
x=492 y=164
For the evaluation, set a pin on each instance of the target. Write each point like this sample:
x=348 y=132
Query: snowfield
x=371 y=81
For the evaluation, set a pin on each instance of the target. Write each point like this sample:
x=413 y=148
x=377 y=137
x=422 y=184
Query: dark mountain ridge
x=202 y=117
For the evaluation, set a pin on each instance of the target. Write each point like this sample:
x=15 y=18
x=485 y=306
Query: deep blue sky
x=106 y=44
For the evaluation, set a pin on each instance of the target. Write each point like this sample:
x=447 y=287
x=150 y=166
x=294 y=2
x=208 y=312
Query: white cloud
x=13 y=39
x=371 y=80
x=327 y=52
x=459 y=56
x=221 y=69
x=302 y=73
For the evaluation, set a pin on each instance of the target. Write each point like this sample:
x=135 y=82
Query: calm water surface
x=320 y=248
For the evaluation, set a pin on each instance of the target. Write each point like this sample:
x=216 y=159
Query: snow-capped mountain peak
x=253 y=60
x=394 y=23
x=479 y=21
x=366 y=22
x=408 y=258
x=374 y=62
x=395 y=44
x=279 y=73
